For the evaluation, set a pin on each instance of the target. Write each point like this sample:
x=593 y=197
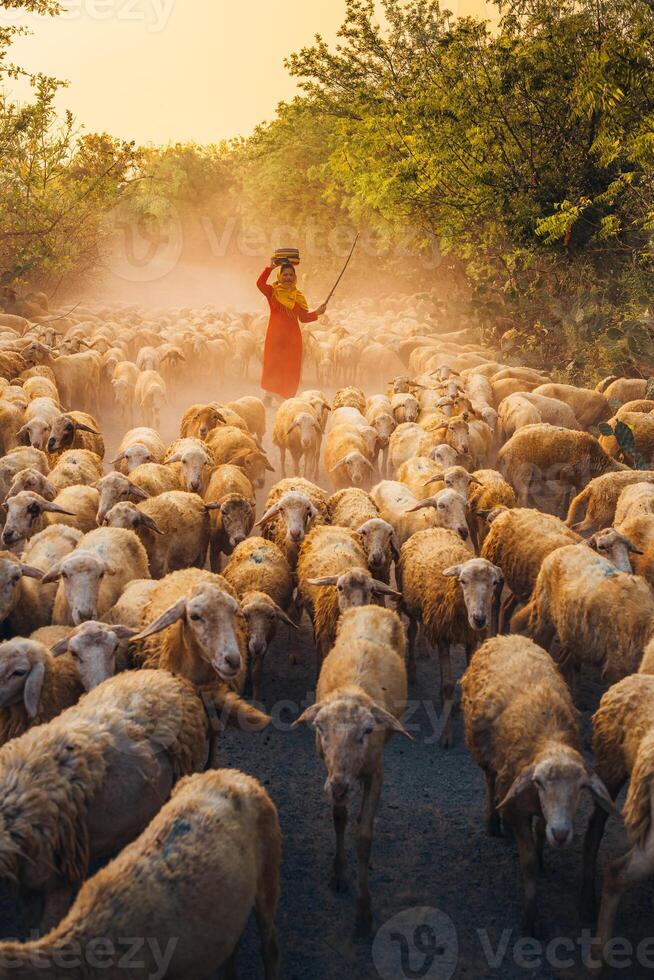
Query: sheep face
x=409 y=410
x=113 y=489
x=81 y=575
x=93 y=647
x=481 y=583
x=24 y=512
x=307 y=428
x=194 y=461
x=458 y=435
x=613 y=546
x=297 y=513
x=262 y=616
x=34 y=482
x=350 y=736
x=357 y=467
x=38 y=432
x=62 y=434
x=11 y=572
x=457 y=478
x=444 y=455
x=384 y=425
x=136 y=455
x=237 y=516
x=380 y=544
x=22 y=672
x=450 y=508
x=255 y=465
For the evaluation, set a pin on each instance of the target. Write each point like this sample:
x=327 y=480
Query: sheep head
x=262 y=616
x=81 y=574
x=22 y=672
x=297 y=513
x=237 y=517
x=33 y=481
x=613 y=546
x=481 y=583
x=450 y=507
x=12 y=571
x=134 y=456
x=355 y=588
x=380 y=544
x=63 y=432
x=113 y=489
x=24 y=512
x=93 y=646
x=194 y=457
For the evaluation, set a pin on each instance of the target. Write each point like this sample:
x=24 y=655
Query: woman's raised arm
x=262 y=282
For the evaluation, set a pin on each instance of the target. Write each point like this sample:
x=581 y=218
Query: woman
x=282 y=355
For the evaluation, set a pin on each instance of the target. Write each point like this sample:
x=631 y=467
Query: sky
x=175 y=70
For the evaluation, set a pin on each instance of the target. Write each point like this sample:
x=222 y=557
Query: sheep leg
x=592 y=841
x=267 y=897
x=447 y=694
x=528 y=856
x=213 y=760
x=282 y=461
x=370 y=800
x=56 y=905
x=539 y=836
x=214 y=554
x=338 y=879
x=493 y=825
x=628 y=870
x=507 y=608
x=411 y=659
x=255 y=677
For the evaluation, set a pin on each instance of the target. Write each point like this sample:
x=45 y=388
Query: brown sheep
x=642 y=427
x=293 y=507
x=523 y=731
x=231 y=445
x=600 y=498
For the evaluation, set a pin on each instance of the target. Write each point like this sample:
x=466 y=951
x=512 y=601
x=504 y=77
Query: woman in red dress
x=282 y=355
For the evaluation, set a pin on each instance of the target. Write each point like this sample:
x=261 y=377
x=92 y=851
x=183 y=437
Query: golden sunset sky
x=168 y=70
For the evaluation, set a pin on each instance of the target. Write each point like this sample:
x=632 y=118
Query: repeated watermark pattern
x=153 y=15
x=100 y=953
x=422 y=943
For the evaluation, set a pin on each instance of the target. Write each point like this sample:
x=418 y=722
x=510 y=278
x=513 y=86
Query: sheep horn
x=171 y=615
x=438 y=478
x=423 y=505
x=53 y=508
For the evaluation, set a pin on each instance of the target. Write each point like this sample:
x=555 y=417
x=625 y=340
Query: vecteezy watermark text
x=100 y=953
x=153 y=14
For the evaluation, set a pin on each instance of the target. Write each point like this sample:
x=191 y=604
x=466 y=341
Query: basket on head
x=286 y=255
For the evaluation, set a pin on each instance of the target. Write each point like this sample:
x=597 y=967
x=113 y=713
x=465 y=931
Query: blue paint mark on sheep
x=257 y=557
x=179 y=829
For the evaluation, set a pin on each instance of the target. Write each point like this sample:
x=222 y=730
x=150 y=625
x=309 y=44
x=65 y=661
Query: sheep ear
x=22 y=432
x=29 y=571
x=314 y=510
x=324 y=581
x=395 y=547
x=82 y=427
x=473 y=479
x=110 y=569
x=292 y=426
x=118 y=458
x=309 y=716
x=167 y=618
x=600 y=794
x=268 y=516
x=53 y=575
x=123 y=632
x=382 y=589
x=387 y=720
x=147 y=521
x=437 y=478
x=270 y=468
x=452 y=572
x=283 y=617
x=136 y=494
x=32 y=689
x=520 y=784
x=60 y=648
x=423 y=505
x=175 y=458
x=53 y=508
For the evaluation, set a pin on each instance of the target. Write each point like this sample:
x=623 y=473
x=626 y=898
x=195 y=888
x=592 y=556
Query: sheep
x=453 y=432
x=526 y=408
x=456 y=598
x=229 y=495
x=34 y=600
x=198 y=421
x=416 y=474
x=11 y=422
x=173 y=528
x=599 y=614
x=355 y=509
x=17 y=460
x=523 y=731
x=81 y=504
x=71 y=800
x=642 y=428
x=450 y=508
x=193 y=626
x=320 y=405
x=34 y=686
x=230 y=445
x=349 y=397
x=40 y=387
x=407 y=441
x=543 y=462
x=379 y=414
x=396 y=506
x=636 y=499
x=114 y=488
x=214 y=850
x=347 y=457
x=155 y=478
x=405 y=408
x=589 y=407
x=39 y=416
x=123 y=384
x=25 y=517
x=639 y=405
x=76 y=466
x=622 y=744
x=351 y=508
x=360 y=698
x=298 y=431
x=33 y=481
x=96 y=649
x=151 y=396
x=487 y=492
x=92 y=577
x=333 y=575
x=253 y=412
x=518 y=541
x=129 y=607
x=75 y=430
x=600 y=498
x=292 y=508
x=190 y=457
x=453 y=478
x=261 y=577
x=624 y=389
x=13 y=571
x=138 y=446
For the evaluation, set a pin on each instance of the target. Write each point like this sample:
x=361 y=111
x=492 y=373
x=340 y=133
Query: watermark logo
x=142 y=247
x=417 y=944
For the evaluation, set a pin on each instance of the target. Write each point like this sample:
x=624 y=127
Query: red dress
x=282 y=354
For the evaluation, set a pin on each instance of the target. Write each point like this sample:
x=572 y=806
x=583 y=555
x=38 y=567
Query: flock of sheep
x=468 y=499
